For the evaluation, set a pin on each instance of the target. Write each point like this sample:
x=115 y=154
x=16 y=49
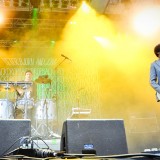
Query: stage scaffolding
x=43 y=5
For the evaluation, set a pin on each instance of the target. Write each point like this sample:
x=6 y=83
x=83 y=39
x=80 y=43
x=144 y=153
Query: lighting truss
x=28 y=23
x=5 y=43
x=24 y=44
x=43 y=5
x=112 y=6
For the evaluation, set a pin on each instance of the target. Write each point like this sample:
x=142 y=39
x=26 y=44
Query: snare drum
x=21 y=103
x=40 y=109
x=6 y=109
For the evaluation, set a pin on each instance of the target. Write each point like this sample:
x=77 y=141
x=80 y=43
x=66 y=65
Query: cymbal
x=43 y=80
x=19 y=83
x=9 y=89
x=24 y=88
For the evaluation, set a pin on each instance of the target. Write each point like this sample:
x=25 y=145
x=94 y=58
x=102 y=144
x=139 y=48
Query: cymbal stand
x=14 y=85
x=26 y=102
x=7 y=88
x=44 y=123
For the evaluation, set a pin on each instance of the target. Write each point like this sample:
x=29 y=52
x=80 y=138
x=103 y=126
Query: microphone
x=65 y=57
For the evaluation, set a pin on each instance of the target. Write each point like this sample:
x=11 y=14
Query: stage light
x=46 y=3
x=52 y=43
x=65 y=3
x=35 y=13
x=55 y=3
x=24 y=3
x=104 y=42
x=34 y=3
x=73 y=3
x=73 y=22
x=16 y=3
x=85 y=7
x=1 y=18
x=147 y=22
x=35 y=16
x=7 y=3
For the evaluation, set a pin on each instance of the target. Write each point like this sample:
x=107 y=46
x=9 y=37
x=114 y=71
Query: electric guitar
x=158 y=96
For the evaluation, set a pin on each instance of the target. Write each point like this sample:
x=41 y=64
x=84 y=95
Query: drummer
x=30 y=91
x=26 y=93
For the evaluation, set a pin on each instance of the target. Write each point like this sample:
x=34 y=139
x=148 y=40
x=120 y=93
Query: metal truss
x=111 y=6
x=50 y=23
x=29 y=23
x=26 y=8
x=43 y=5
x=24 y=44
x=50 y=5
x=5 y=43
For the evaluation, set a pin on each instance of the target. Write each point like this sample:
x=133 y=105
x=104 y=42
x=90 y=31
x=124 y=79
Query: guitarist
x=155 y=73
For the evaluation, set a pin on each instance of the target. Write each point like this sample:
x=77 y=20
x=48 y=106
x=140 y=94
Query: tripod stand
x=44 y=111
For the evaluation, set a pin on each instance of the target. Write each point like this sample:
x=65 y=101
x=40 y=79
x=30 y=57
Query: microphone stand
x=56 y=87
x=15 y=96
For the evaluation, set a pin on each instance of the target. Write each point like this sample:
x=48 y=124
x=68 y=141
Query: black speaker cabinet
x=105 y=136
x=10 y=133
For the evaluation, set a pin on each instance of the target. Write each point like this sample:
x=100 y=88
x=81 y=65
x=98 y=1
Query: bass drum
x=6 y=109
x=45 y=108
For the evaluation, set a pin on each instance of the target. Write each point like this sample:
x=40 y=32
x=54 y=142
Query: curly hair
x=157 y=50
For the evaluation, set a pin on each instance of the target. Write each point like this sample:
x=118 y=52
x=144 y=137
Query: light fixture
x=34 y=3
x=24 y=3
x=65 y=3
x=55 y=3
x=73 y=3
x=15 y=3
x=7 y=3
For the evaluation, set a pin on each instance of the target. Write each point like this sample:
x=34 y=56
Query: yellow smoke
x=122 y=59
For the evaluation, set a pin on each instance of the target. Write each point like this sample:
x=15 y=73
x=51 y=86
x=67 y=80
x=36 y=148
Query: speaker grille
x=107 y=136
x=10 y=132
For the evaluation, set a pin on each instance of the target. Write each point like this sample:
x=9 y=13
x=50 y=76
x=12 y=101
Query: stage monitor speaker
x=10 y=133
x=106 y=137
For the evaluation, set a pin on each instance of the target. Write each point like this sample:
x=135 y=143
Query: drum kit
x=42 y=110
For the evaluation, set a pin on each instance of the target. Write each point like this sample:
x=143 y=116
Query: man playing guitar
x=155 y=73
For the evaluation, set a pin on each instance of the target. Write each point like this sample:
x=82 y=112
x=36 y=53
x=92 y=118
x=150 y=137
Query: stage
x=79 y=138
x=74 y=78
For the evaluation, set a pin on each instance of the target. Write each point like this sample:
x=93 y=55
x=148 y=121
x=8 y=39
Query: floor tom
x=45 y=108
